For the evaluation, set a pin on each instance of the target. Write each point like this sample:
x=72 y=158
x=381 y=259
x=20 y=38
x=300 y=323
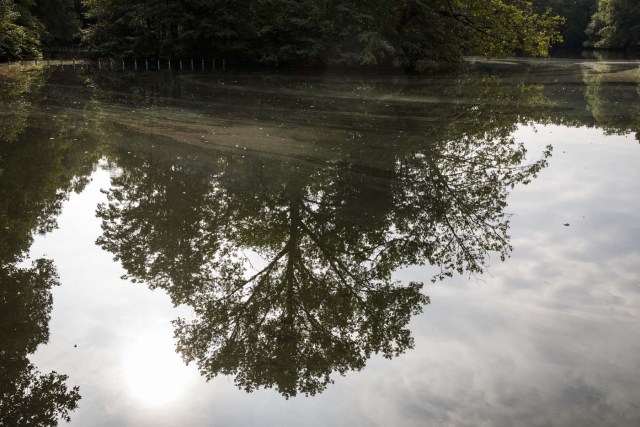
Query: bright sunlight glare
x=153 y=372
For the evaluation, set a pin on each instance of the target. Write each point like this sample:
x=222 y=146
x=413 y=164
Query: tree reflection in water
x=288 y=265
x=36 y=176
x=27 y=396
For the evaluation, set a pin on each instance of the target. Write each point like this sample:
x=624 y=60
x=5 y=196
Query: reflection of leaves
x=36 y=175
x=26 y=298
x=289 y=271
x=614 y=106
x=451 y=209
x=16 y=94
x=27 y=396
x=37 y=399
x=287 y=265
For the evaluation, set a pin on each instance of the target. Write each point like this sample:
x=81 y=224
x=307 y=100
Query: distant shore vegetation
x=412 y=34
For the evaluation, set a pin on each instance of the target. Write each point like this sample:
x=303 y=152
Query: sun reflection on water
x=153 y=373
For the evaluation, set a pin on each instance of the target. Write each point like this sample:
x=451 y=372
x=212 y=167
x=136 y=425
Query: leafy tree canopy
x=410 y=33
x=615 y=25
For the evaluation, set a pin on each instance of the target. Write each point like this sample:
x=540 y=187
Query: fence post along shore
x=88 y=64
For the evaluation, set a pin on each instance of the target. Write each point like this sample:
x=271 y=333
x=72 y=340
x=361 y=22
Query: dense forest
x=414 y=34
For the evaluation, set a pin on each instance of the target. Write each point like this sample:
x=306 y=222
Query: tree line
x=418 y=34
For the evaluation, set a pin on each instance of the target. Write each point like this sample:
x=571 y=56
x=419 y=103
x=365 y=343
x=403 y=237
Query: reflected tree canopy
x=278 y=208
x=613 y=98
x=40 y=164
x=28 y=396
x=288 y=264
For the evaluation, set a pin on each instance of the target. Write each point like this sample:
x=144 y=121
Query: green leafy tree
x=577 y=15
x=60 y=21
x=616 y=25
x=409 y=33
x=26 y=25
x=19 y=33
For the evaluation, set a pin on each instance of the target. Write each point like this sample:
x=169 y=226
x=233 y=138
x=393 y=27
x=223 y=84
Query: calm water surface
x=321 y=249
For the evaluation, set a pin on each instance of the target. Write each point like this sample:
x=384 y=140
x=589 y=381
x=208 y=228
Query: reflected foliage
x=28 y=396
x=613 y=103
x=288 y=264
x=43 y=158
x=278 y=208
x=40 y=163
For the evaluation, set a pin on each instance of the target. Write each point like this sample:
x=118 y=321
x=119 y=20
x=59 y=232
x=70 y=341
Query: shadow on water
x=278 y=207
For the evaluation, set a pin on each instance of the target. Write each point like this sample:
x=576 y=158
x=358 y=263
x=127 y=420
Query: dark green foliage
x=19 y=32
x=40 y=164
x=60 y=21
x=28 y=25
x=416 y=34
x=408 y=33
x=27 y=396
x=616 y=25
x=577 y=15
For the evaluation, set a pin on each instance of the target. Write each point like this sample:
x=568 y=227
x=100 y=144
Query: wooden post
x=123 y=63
x=191 y=64
x=35 y=62
x=61 y=64
x=110 y=64
x=169 y=62
x=203 y=65
x=9 y=59
x=135 y=63
x=158 y=64
x=181 y=65
x=48 y=62
x=99 y=64
x=146 y=64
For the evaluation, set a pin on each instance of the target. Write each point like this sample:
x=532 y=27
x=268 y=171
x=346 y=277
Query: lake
x=321 y=248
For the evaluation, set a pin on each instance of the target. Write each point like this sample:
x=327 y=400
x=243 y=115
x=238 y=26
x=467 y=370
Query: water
x=351 y=250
